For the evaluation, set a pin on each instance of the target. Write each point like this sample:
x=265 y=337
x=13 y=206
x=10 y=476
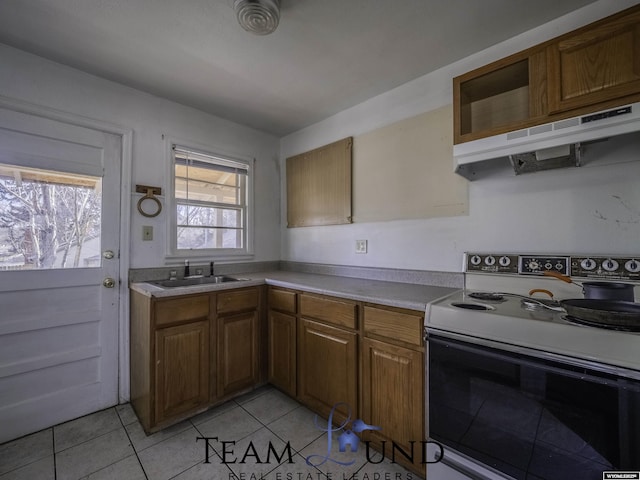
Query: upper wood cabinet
x=590 y=69
x=499 y=97
x=595 y=64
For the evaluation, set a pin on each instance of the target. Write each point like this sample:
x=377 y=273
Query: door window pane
x=48 y=219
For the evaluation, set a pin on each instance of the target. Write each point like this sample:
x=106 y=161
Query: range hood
x=542 y=147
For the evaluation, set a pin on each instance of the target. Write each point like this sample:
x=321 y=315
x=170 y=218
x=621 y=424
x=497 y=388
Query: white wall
x=32 y=79
x=593 y=209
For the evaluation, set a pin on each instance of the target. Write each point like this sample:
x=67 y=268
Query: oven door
x=529 y=417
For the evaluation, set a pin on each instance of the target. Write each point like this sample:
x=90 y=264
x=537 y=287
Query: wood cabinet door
x=282 y=351
x=237 y=352
x=392 y=397
x=327 y=369
x=596 y=64
x=182 y=369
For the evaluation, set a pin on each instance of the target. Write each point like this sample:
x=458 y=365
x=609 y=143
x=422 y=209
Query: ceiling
x=325 y=56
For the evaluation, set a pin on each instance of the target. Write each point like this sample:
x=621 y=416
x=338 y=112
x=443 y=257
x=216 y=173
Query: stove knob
x=548 y=265
x=490 y=261
x=533 y=265
x=475 y=260
x=504 y=261
x=610 y=265
x=632 y=266
x=588 y=264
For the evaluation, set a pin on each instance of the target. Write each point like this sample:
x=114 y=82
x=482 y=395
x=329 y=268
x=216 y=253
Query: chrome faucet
x=186 y=268
x=211 y=269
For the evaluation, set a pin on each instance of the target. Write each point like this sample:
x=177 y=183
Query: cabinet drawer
x=402 y=326
x=282 y=300
x=331 y=310
x=181 y=309
x=237 y=300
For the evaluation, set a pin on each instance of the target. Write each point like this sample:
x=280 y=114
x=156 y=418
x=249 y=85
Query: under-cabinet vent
x=534 y=149
x=517 y=134
x=540 y=129
x=571 y=122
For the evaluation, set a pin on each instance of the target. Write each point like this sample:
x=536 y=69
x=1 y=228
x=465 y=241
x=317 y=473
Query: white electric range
x=512 y=320
x=512 y=384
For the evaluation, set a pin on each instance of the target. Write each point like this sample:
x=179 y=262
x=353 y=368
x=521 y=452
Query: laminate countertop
x=395 y=294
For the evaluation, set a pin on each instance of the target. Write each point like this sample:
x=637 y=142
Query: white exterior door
x=59 y=221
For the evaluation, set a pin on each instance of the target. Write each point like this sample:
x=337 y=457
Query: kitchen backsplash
x=421 y=277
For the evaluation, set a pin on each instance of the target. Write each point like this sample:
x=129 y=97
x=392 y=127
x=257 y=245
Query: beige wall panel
x=405 y=170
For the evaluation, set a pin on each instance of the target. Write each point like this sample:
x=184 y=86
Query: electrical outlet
x=361 y=246
x=147 y=232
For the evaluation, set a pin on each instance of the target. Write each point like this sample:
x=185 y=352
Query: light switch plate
x=147 y=232
x=361 y=246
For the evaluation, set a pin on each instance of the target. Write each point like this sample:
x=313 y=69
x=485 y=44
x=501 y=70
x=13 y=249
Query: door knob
x=109 y=282
x=108 y=254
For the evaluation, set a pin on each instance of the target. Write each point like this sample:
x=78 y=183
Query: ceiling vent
x=260 y=17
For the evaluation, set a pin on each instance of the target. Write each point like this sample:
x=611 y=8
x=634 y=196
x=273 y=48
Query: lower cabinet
x=238 y=345
x=282 y=332
x=327 y=369
x=392 y=388
x=282 y=351
x=237 y=353
x=190 y=352
x=182 y=369
x=356 y=359
x=393 y=398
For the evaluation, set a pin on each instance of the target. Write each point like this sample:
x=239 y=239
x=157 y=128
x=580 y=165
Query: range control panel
x=596 y=266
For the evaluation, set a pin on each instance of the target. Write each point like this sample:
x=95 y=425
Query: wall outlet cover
x=361 y=246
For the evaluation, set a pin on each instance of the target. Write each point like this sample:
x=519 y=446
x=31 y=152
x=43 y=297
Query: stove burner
x=606 y=326
x=471 y=306
x=487 y=296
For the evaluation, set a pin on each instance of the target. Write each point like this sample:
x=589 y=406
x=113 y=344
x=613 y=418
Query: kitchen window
x=211 y=196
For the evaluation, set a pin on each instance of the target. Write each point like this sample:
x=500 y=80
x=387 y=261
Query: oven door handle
x=522 y=359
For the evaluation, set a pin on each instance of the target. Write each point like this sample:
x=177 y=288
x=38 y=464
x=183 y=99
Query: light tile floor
x=112 y=445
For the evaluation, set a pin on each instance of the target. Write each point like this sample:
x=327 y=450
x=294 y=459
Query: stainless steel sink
x=187 y=282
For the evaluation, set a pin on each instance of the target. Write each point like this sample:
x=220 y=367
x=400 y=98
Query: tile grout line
x=324 y=475
x=55 y=457
x=135 y=451
x=214 y=451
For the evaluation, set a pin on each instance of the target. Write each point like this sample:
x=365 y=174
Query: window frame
x=174 y=254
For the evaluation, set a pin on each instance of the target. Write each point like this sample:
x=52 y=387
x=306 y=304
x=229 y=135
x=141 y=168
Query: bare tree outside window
x=48 y=219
